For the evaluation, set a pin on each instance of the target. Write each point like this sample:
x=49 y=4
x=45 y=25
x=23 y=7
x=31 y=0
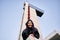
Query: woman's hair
x=31 y=22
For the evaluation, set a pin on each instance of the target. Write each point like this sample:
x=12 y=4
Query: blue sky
x=11 y=16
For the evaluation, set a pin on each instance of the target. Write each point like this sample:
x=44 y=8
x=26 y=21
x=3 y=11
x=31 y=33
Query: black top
x=27 y=32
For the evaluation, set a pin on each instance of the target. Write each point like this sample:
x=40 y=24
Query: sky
x=11 y=17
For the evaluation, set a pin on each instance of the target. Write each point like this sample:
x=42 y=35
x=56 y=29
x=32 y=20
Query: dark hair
x=31 y=22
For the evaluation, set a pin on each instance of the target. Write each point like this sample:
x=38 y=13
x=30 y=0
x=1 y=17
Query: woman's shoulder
x=35 y=29
x=25 y=30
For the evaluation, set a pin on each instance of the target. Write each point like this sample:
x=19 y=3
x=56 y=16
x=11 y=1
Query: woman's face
x=30 y=24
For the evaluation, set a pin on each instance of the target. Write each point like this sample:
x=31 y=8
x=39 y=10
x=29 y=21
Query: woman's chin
x=30 y=26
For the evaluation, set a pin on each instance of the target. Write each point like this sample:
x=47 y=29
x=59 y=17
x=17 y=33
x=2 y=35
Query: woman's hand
x=32 y=35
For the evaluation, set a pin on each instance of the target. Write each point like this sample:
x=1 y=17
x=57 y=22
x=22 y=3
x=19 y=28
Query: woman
x=30 y=30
